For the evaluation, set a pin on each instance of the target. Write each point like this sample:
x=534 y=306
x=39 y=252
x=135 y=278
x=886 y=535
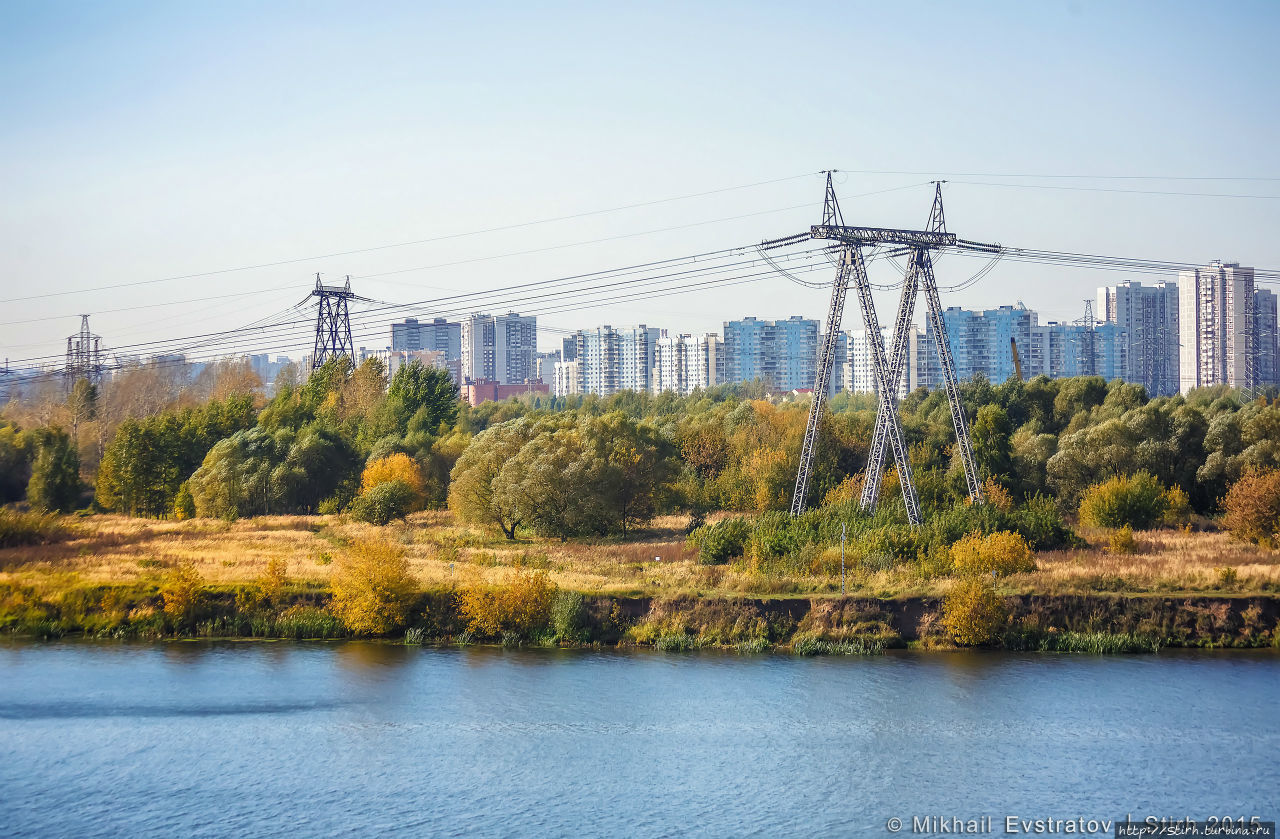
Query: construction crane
x=1017 y=362
x=889 y=367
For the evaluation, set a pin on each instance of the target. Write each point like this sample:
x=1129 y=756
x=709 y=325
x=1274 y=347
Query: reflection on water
x=352 y=738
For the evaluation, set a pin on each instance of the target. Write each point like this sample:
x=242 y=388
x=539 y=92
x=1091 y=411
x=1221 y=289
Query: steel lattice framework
x=333 y=323
x=890 y=366
x=84 y=356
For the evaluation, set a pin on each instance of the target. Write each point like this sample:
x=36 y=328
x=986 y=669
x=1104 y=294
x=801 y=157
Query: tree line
x=356 y=440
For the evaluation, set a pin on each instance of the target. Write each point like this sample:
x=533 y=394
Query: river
x=363 y=739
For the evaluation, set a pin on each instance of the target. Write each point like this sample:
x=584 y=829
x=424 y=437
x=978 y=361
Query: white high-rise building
x=1215 y=326
x=636 y=348
x=567 y=381
x=599 y=366
x=1149 y=316
x=685 y=363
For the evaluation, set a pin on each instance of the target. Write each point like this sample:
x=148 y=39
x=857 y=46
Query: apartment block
x=1149 y=316
x=499 y=349
x=782 y=354
x=686 y=363
x=1215 y=326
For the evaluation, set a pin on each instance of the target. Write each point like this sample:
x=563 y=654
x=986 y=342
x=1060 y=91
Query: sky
x=142 y=142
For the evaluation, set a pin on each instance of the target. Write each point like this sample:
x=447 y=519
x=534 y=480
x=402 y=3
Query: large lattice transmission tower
x=889 y=367
x=84 y=356
x=333 y=322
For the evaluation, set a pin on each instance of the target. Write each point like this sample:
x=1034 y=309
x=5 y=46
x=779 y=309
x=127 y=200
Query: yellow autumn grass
x=442 y=553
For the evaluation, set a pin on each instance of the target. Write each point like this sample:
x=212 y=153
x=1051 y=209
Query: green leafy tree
x=55 y=472
x=15 y=462
x=472 y=489
x=423 y=398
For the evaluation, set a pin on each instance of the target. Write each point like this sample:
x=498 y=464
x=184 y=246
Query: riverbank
x=805 y=626
x=111 y=578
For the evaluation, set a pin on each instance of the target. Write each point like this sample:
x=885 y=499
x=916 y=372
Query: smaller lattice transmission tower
x=333 y=322
x=1088 y=340
x=84 y=356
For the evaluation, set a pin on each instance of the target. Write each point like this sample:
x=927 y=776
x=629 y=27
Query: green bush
x=566 y=615
x=1138 y=501
x=384 y=502
x=720 y=542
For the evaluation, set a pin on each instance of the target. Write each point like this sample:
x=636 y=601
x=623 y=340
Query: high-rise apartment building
x=438 y=334
x=685 y=363
x=980 y=340
x=1149 y=316
x=599 y=361
x=1058 y=350
x=636 y=348
x=782 y=354
x=1265 y=340
x=567 y=379
x=921 y=367
x=1215 y=325
x=499 y=349
x=840 y=365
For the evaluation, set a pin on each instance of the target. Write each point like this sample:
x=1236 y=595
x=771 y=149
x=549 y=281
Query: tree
x=1251 y=508
x=423 y=398
x=15 y=462
x=384 y=502
x=549 y=484
x=394 y=467
x=472 y=492
x=638 y=466
x=991 y=445
x=55 y=473
x=1137 y=502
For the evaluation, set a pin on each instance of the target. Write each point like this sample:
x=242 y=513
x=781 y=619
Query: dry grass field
x=120 y=550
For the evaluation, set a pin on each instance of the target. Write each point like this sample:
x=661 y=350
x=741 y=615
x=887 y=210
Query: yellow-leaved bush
x=373 y=588
x=1002 y=553
x=522 y=604
x=395 y=467
x=973 y=613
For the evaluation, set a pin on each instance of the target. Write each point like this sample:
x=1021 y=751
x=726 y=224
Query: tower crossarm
x=882 y=236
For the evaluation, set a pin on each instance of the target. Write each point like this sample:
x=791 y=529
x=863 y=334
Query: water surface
x=356 y=739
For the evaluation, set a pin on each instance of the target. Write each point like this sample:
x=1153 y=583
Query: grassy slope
x=119 y=550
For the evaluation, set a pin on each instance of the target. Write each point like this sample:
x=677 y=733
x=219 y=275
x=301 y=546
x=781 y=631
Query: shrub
x=1138 y=501
x=1121 y=541
x=1178 y=512
x=184 y=504
x=183 y=592
x=973 y=613
x=17 y=529
x=1228 y=577
x=1251 y=508
x=274 y=579
x=373 y=588
x=720 y=542
x=521 y=605
x=386 y=501
x=566 y=615
x=394 y=467
x=1001 y=553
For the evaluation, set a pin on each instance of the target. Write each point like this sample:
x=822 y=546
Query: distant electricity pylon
x=1088 y=340
x=84 y=356
x=333 y=323
x=889 y=368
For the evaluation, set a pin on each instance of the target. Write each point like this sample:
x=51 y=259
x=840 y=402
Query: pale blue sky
x=146 y=140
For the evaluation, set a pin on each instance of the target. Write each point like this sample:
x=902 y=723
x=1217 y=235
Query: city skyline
x=251 y=157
